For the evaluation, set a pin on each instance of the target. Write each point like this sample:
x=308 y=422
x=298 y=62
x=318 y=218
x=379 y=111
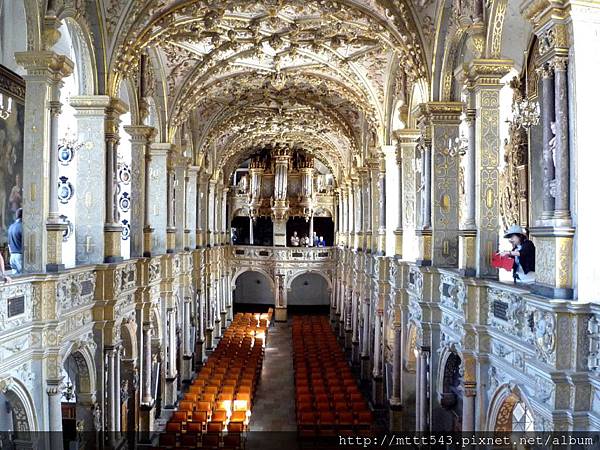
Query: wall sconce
x=5 y=106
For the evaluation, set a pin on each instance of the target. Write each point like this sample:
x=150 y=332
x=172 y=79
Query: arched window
x=522 y=418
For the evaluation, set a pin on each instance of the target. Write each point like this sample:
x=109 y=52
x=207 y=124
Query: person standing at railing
x=524 y=253
x=15 y=243
x=5 y=277
x=295 y=239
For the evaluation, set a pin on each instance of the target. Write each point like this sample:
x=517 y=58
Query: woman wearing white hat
x=524 y=253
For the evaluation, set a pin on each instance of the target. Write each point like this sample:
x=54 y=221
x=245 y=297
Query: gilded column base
x=424 y=247
x=365 y=367
x=170 y=396
x=186 y=239
x=467 y=261
x=146 y=426
x=112 y=243
x=396 y=415
x=199 y=239
x=348 y=340
x=377 y=390
x=361 y=240
x=208 y=339
x=355 y=354
x=280 y=314
x=55 y=241
x=399 y=234
x=554 y=261
x=170 y=240
x=368 y=241
x=381 y=241
x=187 y=370
x=217 y=328
x=148 y=241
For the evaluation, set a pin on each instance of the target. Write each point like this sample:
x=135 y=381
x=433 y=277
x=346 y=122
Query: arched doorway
x=254 y=291
x=129 y=382
x=13 y=415
x=451 y=394
x=309 y=292
x=78 y=397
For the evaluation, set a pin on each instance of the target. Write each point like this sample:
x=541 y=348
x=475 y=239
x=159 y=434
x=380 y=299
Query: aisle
x=273 y=408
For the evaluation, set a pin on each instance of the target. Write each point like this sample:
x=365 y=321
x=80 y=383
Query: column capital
x=160 y=148
x=46 y=63
x=489 y=72
x=441 y=112
x=140 y=133
x=90 y=104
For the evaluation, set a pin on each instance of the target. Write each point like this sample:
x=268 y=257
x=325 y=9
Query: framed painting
x=12 y=88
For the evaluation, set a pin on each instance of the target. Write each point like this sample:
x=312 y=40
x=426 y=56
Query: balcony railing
x=299 y=254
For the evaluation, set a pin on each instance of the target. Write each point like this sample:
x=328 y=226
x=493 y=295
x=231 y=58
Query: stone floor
x=274 y=402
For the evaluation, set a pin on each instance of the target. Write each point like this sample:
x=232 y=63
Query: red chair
x=173 y=427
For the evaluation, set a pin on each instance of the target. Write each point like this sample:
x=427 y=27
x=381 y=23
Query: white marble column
x=140 y=140
x=422 y=390
x=211 y=212
x=147 y=361
x=190 y=210
x=396 y=398
x=158 y=196
x=90 y=115
x=112 y=227
x=111 y=389
x=562 y=188
x=45 y=70
x=468 y=409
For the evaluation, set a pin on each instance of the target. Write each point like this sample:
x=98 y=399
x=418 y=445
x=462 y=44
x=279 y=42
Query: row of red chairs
x=215 y=410
x=328 y=400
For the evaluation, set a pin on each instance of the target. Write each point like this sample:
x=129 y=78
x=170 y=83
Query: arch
x=242 y=270
x=502 y=404
x=84 y=60
x=21 y=402
x=449 y=387
x=83 y=355
x=325 y=275
x=313 y=283
x=129 y=338
x=253 y=292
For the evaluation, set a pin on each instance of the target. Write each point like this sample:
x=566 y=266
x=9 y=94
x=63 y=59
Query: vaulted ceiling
x=316 y=74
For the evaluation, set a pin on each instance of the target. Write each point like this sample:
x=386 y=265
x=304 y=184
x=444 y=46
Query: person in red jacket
x=524 y=253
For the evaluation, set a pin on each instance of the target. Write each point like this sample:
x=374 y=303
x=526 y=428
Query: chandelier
x=526 y=113
x=5 y=106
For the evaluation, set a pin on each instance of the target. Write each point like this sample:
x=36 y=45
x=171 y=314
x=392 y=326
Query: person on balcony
x=295 y=239
x=3 y=275
x=305 y=241
x=15 y=243
x=524 y=253
x=321 y=242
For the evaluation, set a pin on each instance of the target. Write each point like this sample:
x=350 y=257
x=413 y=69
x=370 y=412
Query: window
x=522 y=419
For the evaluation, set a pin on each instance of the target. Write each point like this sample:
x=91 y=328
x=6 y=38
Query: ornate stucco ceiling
x=320 y=72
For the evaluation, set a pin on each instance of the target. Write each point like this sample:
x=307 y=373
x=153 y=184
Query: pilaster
x=486 y=75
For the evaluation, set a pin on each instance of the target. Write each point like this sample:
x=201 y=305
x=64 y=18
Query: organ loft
x=326 y=218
